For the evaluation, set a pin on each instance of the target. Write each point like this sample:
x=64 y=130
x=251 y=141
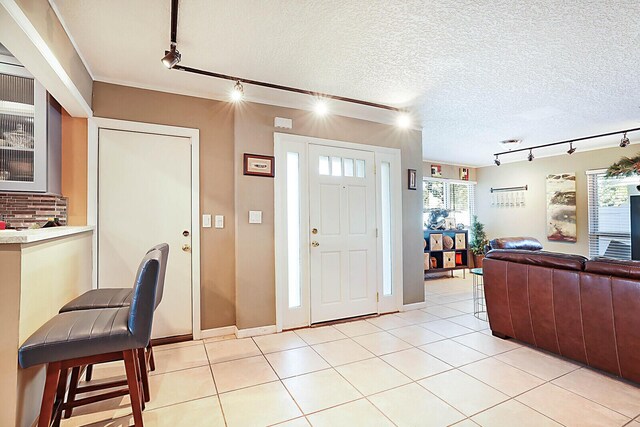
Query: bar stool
x=77 y=338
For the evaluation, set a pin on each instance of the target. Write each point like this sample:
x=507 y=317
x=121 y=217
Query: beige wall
x=449 y=171
x=74 y=168
x=214 y=119
x=255 y=263
x=531 y=219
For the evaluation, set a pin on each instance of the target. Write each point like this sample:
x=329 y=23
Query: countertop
x=40 y=234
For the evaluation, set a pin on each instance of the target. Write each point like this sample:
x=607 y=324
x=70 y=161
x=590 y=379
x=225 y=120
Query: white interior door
x=342 y=222
x=144 y=198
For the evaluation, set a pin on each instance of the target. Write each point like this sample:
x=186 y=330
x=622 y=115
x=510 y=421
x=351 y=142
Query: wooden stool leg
x=49 y=395
x=134 y=386
x=144 y=374
x=88 y=373
x=152 y=361
x=62 y=388
x=73 y=387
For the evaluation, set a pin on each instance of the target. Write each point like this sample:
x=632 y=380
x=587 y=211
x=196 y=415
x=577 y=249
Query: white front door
x=144 y=198
x=342 y=222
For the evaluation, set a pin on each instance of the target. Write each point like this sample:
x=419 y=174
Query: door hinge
x=376 y=232
x=375 y=169
x=377 y=296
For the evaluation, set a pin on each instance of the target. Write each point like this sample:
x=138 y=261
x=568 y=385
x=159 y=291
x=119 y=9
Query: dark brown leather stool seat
x=100 y=298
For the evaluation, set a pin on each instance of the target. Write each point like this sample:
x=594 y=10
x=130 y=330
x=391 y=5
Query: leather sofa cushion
x=539 y=258
x=100 y=298
x=525 y=243
x=614 y=267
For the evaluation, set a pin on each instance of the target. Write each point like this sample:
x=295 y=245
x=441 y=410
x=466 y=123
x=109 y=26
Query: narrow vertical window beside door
x=293 y=227
x=387 y=282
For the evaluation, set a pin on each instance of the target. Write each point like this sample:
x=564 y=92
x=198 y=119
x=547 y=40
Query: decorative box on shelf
x=446 y=250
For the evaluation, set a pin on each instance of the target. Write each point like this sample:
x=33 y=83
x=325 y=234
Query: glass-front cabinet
x=23 y=131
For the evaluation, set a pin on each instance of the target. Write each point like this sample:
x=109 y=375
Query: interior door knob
x=186 y=247
x=315 y=244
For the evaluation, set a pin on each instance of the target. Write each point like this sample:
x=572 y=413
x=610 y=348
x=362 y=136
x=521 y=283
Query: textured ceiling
x=473 y=72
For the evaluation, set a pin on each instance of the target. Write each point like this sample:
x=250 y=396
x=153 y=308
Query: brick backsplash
x=20 y=210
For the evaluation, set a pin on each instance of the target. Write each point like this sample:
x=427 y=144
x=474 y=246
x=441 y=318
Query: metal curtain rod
x=567 y=141
x=174 y=32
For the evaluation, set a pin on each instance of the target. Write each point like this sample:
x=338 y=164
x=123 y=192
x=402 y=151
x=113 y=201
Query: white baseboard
x=414 y=306
x=252 y=332
x=218 y=332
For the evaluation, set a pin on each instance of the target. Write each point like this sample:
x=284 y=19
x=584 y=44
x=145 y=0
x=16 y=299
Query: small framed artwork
x=436 y=171
x=257 y=165
x=413 y=185
x=464 y=174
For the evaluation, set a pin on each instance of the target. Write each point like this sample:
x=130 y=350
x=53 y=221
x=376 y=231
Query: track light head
x=530 y=156
x=171 y=57
x=624 y=141
x=497 y=161
x=571 y=149
x=238 y=92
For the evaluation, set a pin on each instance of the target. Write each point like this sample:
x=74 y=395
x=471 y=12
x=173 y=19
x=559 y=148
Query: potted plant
x=478 y=242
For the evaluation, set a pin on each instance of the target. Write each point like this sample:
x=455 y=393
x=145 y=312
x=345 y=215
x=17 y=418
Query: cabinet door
x=23 y=131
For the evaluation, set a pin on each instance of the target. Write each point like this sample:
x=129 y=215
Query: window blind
x=457 y=197
x=609 y=215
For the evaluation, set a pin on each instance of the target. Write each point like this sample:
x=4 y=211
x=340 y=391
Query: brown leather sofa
x=588 y=311
x=526 y=243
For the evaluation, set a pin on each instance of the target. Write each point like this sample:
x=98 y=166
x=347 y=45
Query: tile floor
x=438 y=366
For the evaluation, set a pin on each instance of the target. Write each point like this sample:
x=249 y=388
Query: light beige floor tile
x=178 y=358
x=412 y=405
x=486 y=344
x=319 y=335
x=416 y=335
x=382 y=343
x=176 y=345
x=469 y=321
x=499 y=375
x=416 y=364
x=180 y=386
x=607 y=391
x=279 y=342
x=537 y=363
x=359 y=327
x=511 y=413
x=463 y=306
x=570 y=409
x=297 y=422
x=342 y=351
x=260 y=405
x=113 y=413
x=196 y=413
x=442 y=311
x=417 y=316
x=358 y=413
x=388 y=321
x=463 y=392
x=453 y=353
x=372 y=376
x=220 y=338
x=446 y=328
x=465 y=423
x=107 y=372
x=320 y=390
x=296 y=362
x=222 y=351
x=242 y=373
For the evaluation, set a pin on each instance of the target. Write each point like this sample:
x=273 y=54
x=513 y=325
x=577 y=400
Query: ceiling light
x=624 y=141
x=171 y=57
x=571 y=149
x=321 y=108
x=497 y=161
x=530 y=156
x=403 y=120
x=237 y=93
x=510 y=144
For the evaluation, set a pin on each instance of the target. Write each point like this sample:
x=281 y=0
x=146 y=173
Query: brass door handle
x=315 y=244
x=186 y=247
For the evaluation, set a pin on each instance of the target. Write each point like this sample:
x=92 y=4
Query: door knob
x=186 y=248
x=315 y=244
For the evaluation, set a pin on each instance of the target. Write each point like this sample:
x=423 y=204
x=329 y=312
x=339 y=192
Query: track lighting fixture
x=530 y=156
x=497 y=161
x=624 y=141
x=171 y=57
x=237 y=93
x=571 y=149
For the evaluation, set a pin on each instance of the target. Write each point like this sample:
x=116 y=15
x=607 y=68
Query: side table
x=479 y=305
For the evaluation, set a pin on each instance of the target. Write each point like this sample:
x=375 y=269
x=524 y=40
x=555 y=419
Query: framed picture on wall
x=464 y=174
x=413 y=179
x=258 y=165
x=436 y=171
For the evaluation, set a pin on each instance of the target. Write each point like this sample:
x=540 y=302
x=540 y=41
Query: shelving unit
x=455 y=258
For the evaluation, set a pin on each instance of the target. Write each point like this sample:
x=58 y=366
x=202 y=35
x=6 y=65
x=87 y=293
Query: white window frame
x=447 y=193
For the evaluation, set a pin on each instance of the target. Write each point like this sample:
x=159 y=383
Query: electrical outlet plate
x=255 y=217
x=219 y=221
x=206 y=221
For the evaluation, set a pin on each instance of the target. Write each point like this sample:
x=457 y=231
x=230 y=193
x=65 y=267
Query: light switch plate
x=206 y=221
x=219 y=221
x=255 y=217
